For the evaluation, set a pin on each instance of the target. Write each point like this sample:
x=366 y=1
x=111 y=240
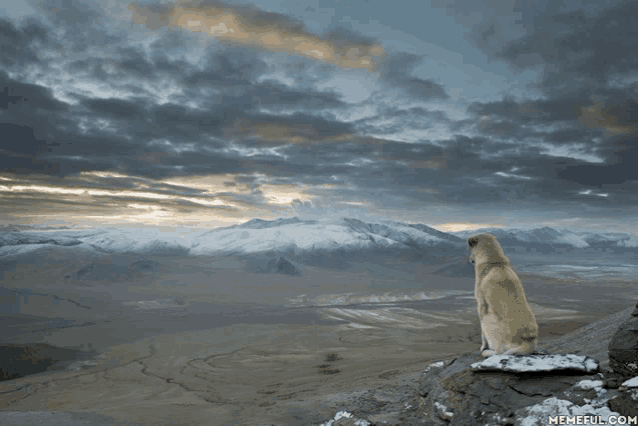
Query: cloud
x=252 y=27
x=171 y=126
x=395 y=70
x=20 y=44
x=115 y=108
x=395 y=120
x=577 y=46
x=83 y=23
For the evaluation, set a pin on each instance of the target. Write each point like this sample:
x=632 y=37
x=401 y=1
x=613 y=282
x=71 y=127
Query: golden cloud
x=597 y=116
x=267 y=31
x=277 y=132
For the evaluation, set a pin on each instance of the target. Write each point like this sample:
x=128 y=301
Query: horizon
x=323 y=221
x=205 y=114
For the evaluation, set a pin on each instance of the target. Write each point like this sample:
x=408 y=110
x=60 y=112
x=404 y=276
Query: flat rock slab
x=631 y=383
x=537 y=364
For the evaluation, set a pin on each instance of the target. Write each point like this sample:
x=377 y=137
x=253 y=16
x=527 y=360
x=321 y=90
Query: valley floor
x=159 y=352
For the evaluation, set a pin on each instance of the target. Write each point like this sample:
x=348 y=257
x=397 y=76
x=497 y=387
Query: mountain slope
x=547 y=237
x=296 y=236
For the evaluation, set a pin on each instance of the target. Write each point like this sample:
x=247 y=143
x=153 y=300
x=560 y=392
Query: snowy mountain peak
x=294 y=235
x=261 y=224
x=556 y=236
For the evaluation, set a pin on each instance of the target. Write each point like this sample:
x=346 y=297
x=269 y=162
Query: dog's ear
x=472 y=242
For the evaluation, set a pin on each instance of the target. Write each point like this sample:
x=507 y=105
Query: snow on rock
x=343 y=418
x=589 y=384
x=443 y=411
x=538 y=415
x=439 y=364
x=537 y=363
x=631 y=383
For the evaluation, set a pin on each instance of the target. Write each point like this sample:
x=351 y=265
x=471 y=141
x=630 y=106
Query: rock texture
x=538 y=364
x=623 y=348
x=508 y=391
x=525 y=391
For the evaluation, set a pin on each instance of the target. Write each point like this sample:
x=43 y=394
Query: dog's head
x=484 y=248
x=471 y=243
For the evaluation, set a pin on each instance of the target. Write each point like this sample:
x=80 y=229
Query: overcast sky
x=453 y=113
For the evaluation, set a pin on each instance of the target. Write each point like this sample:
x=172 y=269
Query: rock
x=592 y=339
x=508 y=390
x=500 y=390
x=630 y=384
x=538 y=364
x=623 y=348
x=625 y=404
x=343 y=418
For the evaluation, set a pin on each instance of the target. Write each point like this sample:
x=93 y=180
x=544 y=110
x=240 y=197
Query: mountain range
x=294 y=236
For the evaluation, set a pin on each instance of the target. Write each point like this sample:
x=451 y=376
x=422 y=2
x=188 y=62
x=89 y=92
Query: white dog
x=508 y=326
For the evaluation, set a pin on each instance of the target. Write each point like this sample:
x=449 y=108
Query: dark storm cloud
x=33 y=96
x=619 y=171
x=395 y=69
x=607 y=129
x=553 y=120
x=588 y=48
x=171 y=39
x=43 y=136
x=84 y=23
x=475 y=171
x=27 y=145
x=133 y=62
x=272 y=93
x=584 y=51
x=19 y=44
x=63 y=140
x=116 y=108
x=231 y=68
x=227 y=120
x=578 y=45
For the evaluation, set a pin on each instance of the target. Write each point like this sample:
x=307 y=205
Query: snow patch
x=536 y=363
x=439 y=364
x=443 y=412
x=537 y=415
x=156 y=304
x=589 y=384
x=345 y=414
x=631 y=383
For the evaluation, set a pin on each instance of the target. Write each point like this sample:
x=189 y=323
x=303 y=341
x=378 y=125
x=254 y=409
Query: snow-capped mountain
x=297 y=236
x=102 y=240
x=559 y=237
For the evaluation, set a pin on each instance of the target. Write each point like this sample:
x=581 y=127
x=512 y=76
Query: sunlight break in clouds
x=242 y=26
x=456 y=227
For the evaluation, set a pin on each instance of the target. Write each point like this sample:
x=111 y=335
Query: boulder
x=623 y=348
x=506 y=390
x=509 y=390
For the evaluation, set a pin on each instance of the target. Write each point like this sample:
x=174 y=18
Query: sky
x=459 y=114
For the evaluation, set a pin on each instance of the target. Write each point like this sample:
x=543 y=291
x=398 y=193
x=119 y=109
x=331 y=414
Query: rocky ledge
x=512 y=390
